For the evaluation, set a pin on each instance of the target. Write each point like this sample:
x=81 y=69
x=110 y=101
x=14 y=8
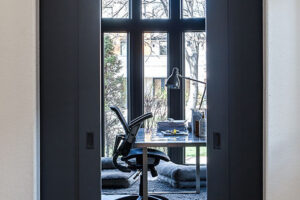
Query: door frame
x=70 y=96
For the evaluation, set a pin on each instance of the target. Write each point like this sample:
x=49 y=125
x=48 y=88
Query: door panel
x=245 y=99
x=217 y=95
x=70 y=100
x=89 y=98
x=235 y=84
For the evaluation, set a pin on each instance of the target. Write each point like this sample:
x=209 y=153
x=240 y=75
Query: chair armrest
x=118 y=166
x=140 y=119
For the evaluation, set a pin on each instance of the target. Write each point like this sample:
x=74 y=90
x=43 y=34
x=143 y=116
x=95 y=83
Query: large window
x=142 y=41
x=155 y=74
x=115 y=84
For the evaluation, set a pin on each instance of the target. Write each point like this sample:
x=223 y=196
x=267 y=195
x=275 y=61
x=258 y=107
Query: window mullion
x=135 y=10
x=175 y=10
x=136 y=74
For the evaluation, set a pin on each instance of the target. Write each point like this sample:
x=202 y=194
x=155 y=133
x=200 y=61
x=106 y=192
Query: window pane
x=155 y=9
x=155 y=74
x=115 y=85
x=190 y=155
x=195 y=67
x=115 y=9
x=193 y=8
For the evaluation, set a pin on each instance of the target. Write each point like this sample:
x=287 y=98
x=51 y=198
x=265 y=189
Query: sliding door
x=235 y=88
x=70 y=100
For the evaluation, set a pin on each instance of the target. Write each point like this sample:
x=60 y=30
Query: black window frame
x=135 y=26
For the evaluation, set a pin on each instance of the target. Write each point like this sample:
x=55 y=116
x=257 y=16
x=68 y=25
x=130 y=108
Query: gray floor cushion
x=180 y=184
x=107 y=163
x=180 y=176
x=114 y=178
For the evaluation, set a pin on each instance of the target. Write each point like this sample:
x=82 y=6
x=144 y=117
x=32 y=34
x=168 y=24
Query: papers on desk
x=179 y=125
x=178 y=133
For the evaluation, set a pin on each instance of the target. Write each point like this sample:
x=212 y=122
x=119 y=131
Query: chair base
x=135 y=197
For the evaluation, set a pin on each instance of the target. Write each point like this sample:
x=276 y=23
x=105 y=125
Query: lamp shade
x=173 y=81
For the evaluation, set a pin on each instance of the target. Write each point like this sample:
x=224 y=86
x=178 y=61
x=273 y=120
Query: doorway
x=70 y=94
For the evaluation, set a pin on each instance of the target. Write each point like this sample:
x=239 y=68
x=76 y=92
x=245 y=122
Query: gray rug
x=157 y=186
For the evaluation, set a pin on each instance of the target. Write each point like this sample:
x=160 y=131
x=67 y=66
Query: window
x=115 y=8
x=155 y=66
x=193 y=8
x=115 y=84
x=195 y=67
x=155 y=9
x=149 y=38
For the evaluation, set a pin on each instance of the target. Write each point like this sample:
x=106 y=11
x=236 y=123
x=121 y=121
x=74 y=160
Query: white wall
x=18 y=100
x=282 y=164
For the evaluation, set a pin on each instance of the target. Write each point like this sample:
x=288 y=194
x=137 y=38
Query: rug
x=155 y=185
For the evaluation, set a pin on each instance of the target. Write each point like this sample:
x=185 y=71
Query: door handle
x=217 y=140
x=90 y=140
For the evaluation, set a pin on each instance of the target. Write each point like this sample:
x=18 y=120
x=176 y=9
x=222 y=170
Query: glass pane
x=155 y=9
x=115 y=9
x=115 y=85
x=190 y=155
x=193 y=8
x=195 y=67
x=155 y=74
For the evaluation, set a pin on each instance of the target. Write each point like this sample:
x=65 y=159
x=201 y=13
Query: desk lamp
x=173 y=82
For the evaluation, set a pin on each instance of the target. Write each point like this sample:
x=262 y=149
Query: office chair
x=133 y=157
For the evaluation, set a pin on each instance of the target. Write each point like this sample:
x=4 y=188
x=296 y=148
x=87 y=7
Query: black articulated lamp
x=173 y=82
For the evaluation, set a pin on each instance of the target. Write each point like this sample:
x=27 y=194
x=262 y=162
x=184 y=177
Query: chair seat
x=152 y=153
x=135 y=158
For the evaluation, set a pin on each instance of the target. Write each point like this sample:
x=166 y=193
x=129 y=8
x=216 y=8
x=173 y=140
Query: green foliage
x=114 y=93
x=191 y=152
x=114 y=87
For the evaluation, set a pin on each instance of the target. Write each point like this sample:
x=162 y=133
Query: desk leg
x=197 y=169
x=145 y=173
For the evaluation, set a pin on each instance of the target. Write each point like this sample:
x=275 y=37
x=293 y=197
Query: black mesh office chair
x=133 y=157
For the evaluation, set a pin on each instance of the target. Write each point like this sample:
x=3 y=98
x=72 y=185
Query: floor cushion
x=180 y=176
x=114 y=178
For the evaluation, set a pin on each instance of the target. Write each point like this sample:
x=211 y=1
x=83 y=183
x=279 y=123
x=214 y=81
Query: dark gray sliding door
x=70 y=99
x=218 y=100
x=235 y=88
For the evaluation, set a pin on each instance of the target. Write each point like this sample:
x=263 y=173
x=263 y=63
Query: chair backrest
x=124 y=142
x=120 y=117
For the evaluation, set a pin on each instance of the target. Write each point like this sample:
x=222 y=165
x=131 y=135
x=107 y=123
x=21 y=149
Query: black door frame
x=70 y=108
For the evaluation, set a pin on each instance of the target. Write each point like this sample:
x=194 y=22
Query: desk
x=156 y=139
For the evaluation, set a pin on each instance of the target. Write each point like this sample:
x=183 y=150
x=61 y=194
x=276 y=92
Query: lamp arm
x=202 y=98
x=201 y=102
x=191 y=79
